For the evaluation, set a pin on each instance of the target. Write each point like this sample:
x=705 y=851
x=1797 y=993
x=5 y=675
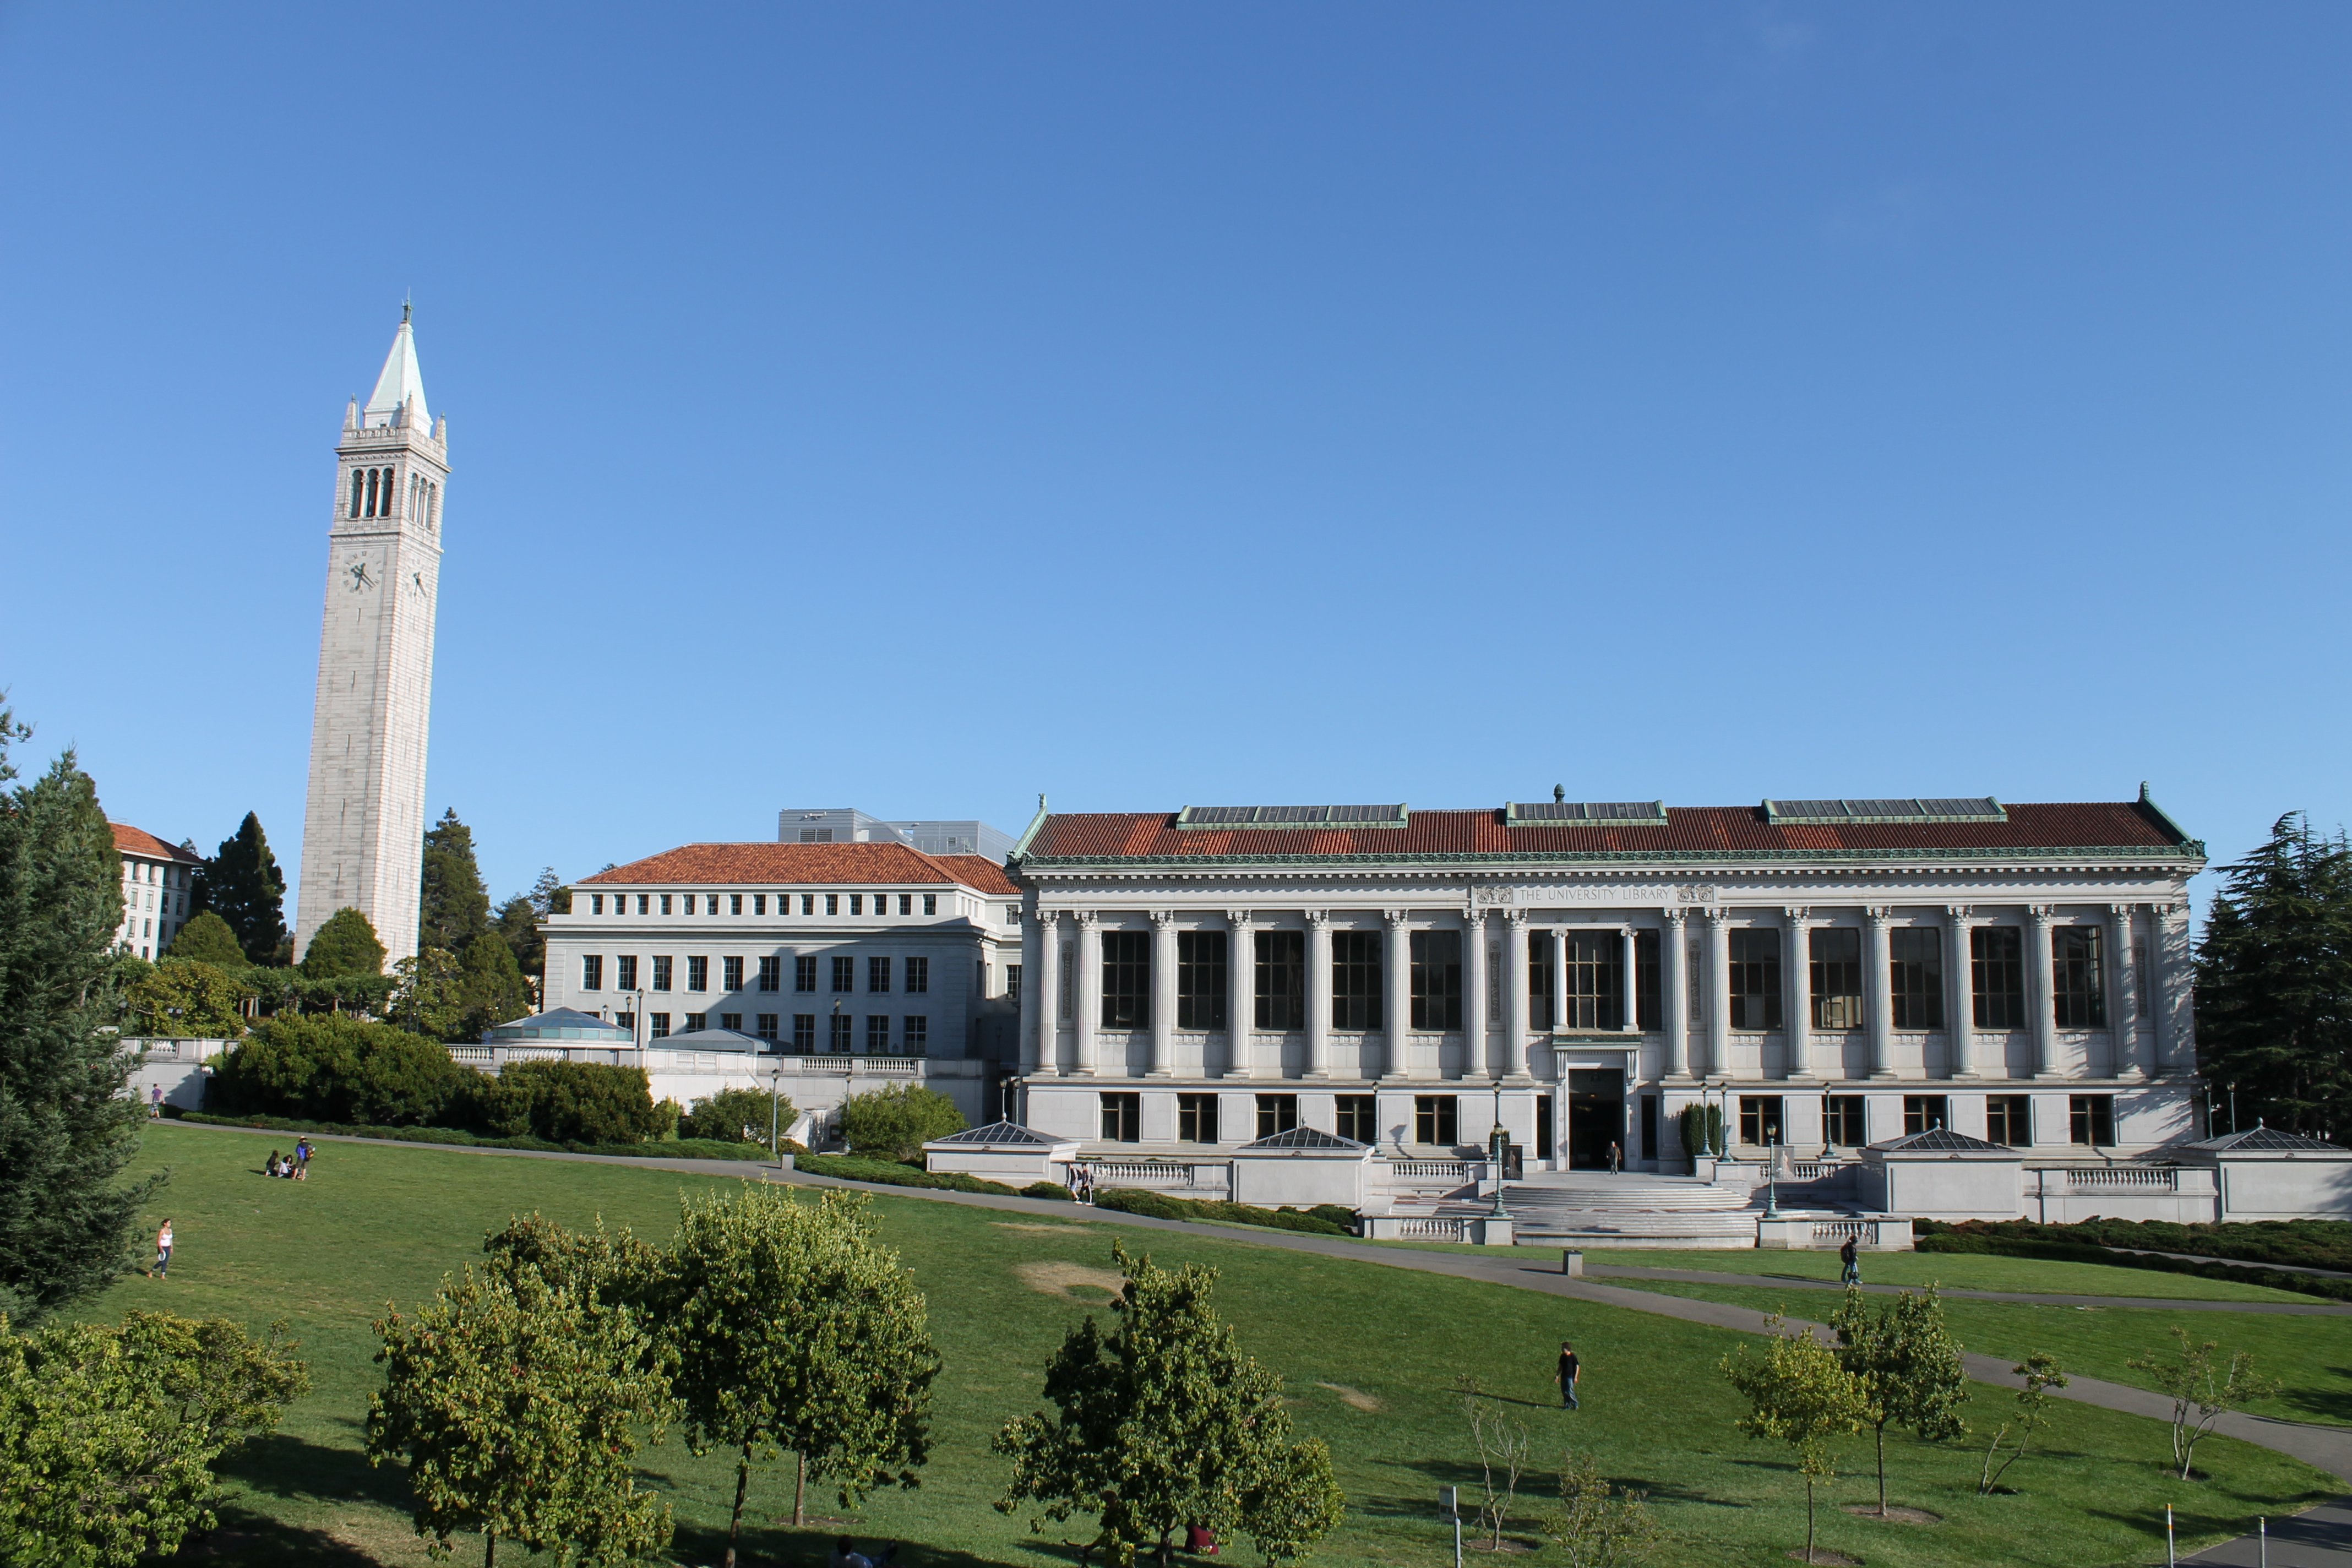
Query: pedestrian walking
x=1616 y=1158
x=1852 y=1273
x=1570 y=1368
x=164 y=1251
x=155 y=1103
x=302 y=1160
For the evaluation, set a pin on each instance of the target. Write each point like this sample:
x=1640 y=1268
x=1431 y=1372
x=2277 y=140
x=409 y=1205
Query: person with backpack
x=1851 y=1274
x=302 y=1160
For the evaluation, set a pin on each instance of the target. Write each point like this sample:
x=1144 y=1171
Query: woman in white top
x=164 y=1251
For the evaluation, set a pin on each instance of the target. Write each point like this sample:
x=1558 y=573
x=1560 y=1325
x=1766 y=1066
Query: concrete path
x=2320 y=1538
x=1787 y=1282
x=2235 y=1262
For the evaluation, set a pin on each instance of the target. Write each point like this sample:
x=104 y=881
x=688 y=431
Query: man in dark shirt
x=1568 y=1368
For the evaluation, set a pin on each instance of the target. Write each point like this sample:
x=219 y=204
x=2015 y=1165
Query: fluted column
x=1878 y=992
x=1164 y=993
x=1797 y=995
x=1241 y=994
x=1632 y=1022
x=1959 y=994
x=1047 y=987
x=2123 y=992
x=2041 y=965
x=1515 y=992
x=1558 y=941
x=1474 y=987
x=1088 y=1014
x=1034 y=938
x=2167 y=951
x=1673 y=993
x=1318 y=994
x=1396 y=981
x=1719 y=994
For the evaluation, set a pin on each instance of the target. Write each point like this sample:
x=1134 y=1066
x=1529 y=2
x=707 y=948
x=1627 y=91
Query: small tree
x=1913 y=1365
x=1502 y=1446
x=517 y=1405
x=796 y=1330
x=184 y=999
x=724 y=1115
x=894 y=1123
x=428 y=995
x=1597 y=1525
x=2040 y=1373
x=2203 y=1389
x=1165 y=1424
x=207 y=940
x=1800 y=1396
x=346 y=944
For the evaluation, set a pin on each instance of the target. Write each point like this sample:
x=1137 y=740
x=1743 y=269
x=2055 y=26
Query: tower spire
x=402 y=383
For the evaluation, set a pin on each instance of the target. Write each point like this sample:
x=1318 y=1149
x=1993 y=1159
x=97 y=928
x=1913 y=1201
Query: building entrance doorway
x=1596 y=1116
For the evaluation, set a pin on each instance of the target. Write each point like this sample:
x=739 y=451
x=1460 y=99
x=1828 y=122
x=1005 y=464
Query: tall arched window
x=373 y=474
x=359 y=484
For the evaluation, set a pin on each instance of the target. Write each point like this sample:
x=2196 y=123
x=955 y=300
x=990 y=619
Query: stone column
x=2168 y=945
x=1034 y=939
x=1632 y=1022
x=1674 y=995
x=2041 y=990
x=1396 y=981
x=1474 y=1001
x=1718 y=994
x=1087 y=1013
x=1878 y=992
x=1797 y=995
x=1048 y=985
x=1164 y=993
x=1959 y=993
x=1241 y=994
x=1559 y=944
x=1515 y=992
x=1318 y=994
x=2123 y=992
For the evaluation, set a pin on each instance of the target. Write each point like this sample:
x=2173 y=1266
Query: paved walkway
x=1790 y=1282
x=2235 y=1262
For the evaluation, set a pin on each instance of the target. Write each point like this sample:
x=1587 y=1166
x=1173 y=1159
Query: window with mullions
x=837 y=1034
x=1925 y=1112
x=1539 y=981
x=877 y=1033
x=804 y=973
x=1281 y=979
x=1845 y=1122
x=1276 y=1113
x=730 y=974
x=1434 y=1121
x=845 y=974
x=660 y=1030
x=592 y=972
x=1200 y=982
x=1916 y=955
x=918 y=975
x=626 y=965
x=1596 y=980
x=2008 y=1119
x=697 y=1022
x=803 y=1031
x=1759 y=1120
x=661 y=974
x=772 y=973
x=697 y=974
x=731 y=1021
x=2078 y=992
x=1357 y=1115
x=1836 y=976
x=877 y=974
x=1126 y=980
x=1436 y=980
x=1196 y=1118
x=915 y=1033
x=2091 y=1118
x=768 y=1025
x=1755 y=978
x=1997 y=976
x=1647 y=1009
x=1122 y=1118
x=1354 y=980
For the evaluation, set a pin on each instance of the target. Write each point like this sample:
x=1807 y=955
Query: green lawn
x=1369 y=1354
x=2313 y=1355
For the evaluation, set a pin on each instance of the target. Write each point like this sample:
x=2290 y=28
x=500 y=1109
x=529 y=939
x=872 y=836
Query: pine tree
x=66 y=1130
x=2274 y=982
x=490 y=987
x=241 y=883
x=455 y=909
x=346 y=944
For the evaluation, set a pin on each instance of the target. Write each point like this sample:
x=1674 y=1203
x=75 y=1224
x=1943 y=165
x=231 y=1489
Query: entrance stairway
x=1633 y=1209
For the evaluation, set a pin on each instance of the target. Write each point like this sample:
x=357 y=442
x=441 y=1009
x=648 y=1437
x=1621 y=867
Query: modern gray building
x=846 y=825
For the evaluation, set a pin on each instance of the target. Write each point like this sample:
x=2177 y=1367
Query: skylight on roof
x=1585 y=813
x=1840 y=813
x=1349 y=817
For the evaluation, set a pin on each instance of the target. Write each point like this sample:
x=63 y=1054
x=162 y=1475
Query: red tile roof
x=129 y=840
x=841 y=865
x=1688 y=831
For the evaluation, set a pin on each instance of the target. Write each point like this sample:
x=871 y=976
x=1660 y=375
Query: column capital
x=1396 y=917
x=1718 y=917
x=1795 y=914
x=1086 y=917
x=1045 y=918
x=1879 y=914
x=1514 y=919
x=1240 y=920
x=1959 y=914
x=2041 y=914
x=1673 y=914
x=1318 y=919
x=1162 y=918
x=2122 y=911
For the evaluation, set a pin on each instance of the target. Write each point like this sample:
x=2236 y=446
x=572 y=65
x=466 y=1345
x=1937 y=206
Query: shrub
x=338 y=1068
x=890 y=1172
x=1336 y=1213
x=724 y=1115
x=346 y=944
x=583 y=1102
x=1046 y=1190
x=1979 y=1237
x=1160 y=1205
x=896 y=1123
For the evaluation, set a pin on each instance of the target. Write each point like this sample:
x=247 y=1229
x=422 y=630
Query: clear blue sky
x=916 y=407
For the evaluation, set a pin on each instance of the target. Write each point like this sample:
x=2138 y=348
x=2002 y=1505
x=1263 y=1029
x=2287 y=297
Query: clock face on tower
x=359 y=578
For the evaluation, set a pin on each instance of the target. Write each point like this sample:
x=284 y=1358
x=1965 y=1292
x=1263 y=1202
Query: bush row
x=681 y=1149
x=1323 y=1219
x=1978 y=1237
x=890 y=1172
x=2310 y=1243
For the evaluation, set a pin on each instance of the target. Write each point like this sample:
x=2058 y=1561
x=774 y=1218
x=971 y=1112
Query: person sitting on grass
x=846 y=1555
x=271 y=1168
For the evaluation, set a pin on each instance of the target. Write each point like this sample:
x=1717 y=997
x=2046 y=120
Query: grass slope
x=1368 y=1352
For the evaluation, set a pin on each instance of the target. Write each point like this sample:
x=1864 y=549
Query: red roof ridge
x=755 y=862
x=129 y=840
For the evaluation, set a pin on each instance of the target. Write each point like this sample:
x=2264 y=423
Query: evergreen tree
x=346 y=944
x=490 y=987
x=516 y=924
x=428 y=995
x=2274 y=982
x=66 y=1130
x=207 y=939
x=241 y=883
x=455 y=909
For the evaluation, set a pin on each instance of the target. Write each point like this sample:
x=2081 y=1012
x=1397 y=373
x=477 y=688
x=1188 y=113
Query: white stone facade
x=364 y=824
x=156 y=880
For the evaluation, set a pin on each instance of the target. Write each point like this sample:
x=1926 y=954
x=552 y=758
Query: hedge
x=890 y=1172
x=2312 y=1243
x=1160 y=1205
x=683 y=1148
x=1977 y=1236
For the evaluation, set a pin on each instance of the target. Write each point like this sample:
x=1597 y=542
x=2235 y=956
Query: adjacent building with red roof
x=156 y=880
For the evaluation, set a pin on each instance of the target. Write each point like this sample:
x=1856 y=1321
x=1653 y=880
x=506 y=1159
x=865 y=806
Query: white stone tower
x=364 y=832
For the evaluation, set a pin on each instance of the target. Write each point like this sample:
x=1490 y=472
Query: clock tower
x=364 y=828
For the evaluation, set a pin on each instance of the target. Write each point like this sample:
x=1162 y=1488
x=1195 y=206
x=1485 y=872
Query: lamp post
x=637 y=1027
x=775 y=1109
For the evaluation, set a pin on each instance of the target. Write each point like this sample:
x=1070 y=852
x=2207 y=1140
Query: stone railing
x=177 y=1050
x=1415 y=1171
x=1431 y=1229
x=1144 y=1172
x=2114 y=1178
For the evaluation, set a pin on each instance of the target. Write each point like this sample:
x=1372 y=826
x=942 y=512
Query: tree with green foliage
x=241 y=883
x=2274 y=982
x=1598 y=1525
x=453 y=907
x=1165 y=1424
x=2040 y=1374
x=1906 y=1353
x=724 y=1115
x=796 y=1330
x=490 y=987
x=207 y=939
x=519 y=918
x=108 y=1434
x=428 y=995
x=584 y=1102
x=1799 y=1395
x=895 y=1122
x=66 y=1128
x=333 y=1068
x=346 y=944
x=2203 y=1387
x=518 y=1408
x=613 y=1265
x=180 y=998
